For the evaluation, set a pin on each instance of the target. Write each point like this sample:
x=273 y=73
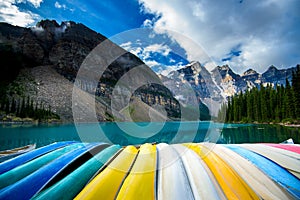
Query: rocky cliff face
x=194 y=78
x=63 y=47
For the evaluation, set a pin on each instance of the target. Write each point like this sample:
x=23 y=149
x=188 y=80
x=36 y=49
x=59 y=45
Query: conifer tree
x=263 y=104
x=22 y=108
x=296 y=90
x=7 y=106
x=13 y=106
x=289 y=101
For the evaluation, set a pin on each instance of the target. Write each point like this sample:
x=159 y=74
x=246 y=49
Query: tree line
x=27 y=108
x=265 y=104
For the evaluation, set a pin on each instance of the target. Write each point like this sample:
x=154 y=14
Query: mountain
x=212 y=88
x=43 y=61
x=206 y=90
x=276 y=76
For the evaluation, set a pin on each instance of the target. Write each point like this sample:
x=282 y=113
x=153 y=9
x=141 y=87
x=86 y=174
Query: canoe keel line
x=73 y=170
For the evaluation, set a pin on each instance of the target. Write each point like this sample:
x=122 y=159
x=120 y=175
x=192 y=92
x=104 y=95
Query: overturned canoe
x=233 y=186
x=7 y=154
x=12 y=163
x=171 y=170
x=154 y=171
x=34 y=182
x=140 y=182
x=287 y=159
x=17 y=173
x=274 y=170
x=107 y=183
x=82 y=175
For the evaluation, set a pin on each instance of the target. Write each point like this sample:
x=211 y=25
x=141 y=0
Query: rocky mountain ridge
x=58 y=50
x=216 y=86
x=230 y=83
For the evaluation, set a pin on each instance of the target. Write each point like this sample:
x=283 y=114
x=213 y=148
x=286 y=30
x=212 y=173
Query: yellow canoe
x=233 y=186
x=106 y=184
x=140 y=183
x=255 y=178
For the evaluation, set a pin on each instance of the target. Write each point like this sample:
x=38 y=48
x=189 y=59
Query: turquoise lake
x=137 y=133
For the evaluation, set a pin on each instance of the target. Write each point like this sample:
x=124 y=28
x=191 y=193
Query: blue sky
x=244 y=34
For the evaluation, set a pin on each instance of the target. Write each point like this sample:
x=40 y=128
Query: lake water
x=137 y=133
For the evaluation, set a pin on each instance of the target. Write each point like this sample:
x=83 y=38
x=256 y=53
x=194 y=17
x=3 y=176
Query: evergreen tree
x=7 y=106
x=256 y=107
x=263 y=104
x=17 y=108
x=235 y=109
x=249 y=106
x=289 y=101
x=13 y=106
x=272 y=102
x=22 y=108
x=296 y=90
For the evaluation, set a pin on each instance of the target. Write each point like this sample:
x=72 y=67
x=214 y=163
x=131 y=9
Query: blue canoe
x=22 y=171
x=17 y=161
x=277 y=173
x=66 y=189
x=27 y=187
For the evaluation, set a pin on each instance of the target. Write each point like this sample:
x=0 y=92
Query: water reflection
x=12 y=136
x=259 y=133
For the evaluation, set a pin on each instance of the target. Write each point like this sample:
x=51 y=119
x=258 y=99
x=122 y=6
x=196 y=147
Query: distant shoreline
x=267 y=123
x=55 y=122
x=290 y=125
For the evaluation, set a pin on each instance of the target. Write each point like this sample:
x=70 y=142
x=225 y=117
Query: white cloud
x=151 y=63
x=59 y=6
x=126 y=45
x=136 y=50
x=156 y=48
x=35 y=3
x=148 y=23
x=145 y=52
x=166 y=71
x=268 y=32
x=10 y=13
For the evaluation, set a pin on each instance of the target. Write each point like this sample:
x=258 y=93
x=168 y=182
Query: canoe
x=265 y=187
x=286 y=159
x=171 y=170
x=7 y=154
x=21 y=159
x=202 y=181
x=108 y=182
x=16 y=174
x=18 y=150
x=288 y=141
x=154 y=171
x=233 y=186
x=294 y=148
x=92 y=149
x=141 y=181
x=27 y=187
x=66 y=189
x=277 y=173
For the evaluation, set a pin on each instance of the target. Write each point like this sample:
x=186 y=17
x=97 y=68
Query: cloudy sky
x=242 y=33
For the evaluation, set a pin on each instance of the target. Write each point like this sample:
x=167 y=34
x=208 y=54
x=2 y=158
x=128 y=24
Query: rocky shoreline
x=11 y=119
